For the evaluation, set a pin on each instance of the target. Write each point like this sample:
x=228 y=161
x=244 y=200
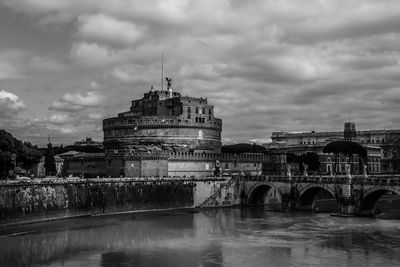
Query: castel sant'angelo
x=165 y=121
x=167 y=134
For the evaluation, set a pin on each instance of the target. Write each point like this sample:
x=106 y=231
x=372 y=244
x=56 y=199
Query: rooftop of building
x=325 y=133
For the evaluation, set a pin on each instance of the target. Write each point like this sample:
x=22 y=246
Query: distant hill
x=243 y=148
x=24 y=154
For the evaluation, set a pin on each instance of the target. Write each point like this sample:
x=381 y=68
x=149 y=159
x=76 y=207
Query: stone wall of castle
x=163 y=132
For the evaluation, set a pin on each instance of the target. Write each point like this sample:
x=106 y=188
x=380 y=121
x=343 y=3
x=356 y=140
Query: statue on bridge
x=288 y=171
x=365 y=170
x=305 y=168
x=348 y=170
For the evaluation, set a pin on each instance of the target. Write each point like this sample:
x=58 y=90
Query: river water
x=217 y=237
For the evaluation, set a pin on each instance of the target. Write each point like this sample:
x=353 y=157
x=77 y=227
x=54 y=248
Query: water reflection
x=225 y=237
x=209 y=256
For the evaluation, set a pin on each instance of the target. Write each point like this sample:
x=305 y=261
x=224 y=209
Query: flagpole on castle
x=162 y=71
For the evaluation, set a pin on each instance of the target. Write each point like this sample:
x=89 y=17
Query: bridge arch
x=308 y=196
x=372 y=196
x=265 y=194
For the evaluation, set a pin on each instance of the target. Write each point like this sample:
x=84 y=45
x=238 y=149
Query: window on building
x=189 y=110
x=204 y=110
x=209 y=111
x=226 y=166
x=197 y=110
x=188 y=116
x=196 y=120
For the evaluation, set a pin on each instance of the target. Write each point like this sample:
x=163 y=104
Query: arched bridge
x=352 y=195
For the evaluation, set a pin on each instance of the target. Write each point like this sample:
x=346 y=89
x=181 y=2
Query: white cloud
x=123 y=75
x=71 y=102
x=95 y=116
x=88 y=99
x=59 y=118
x=93 y=54
x=18 y=63
x=65 y=106
x=103 y=28
x=10 y=104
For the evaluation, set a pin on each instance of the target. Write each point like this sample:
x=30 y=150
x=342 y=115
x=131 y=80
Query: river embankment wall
x=58 y=198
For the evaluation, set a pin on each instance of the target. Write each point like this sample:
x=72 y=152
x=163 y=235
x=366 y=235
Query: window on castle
x=197 y=110
x=196 y=120
x=209 y=111
x=188 y=116
x=189 y=110
x=204 y=111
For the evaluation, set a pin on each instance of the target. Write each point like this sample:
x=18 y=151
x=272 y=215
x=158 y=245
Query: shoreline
x=5 y=226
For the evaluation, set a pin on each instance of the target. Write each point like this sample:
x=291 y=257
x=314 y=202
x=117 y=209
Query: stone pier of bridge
x=347 y=195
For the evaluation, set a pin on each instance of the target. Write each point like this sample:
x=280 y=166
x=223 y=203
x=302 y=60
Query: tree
x=348 y=148
x=6 y=163
x=49 y=162
x=310 y=159
x=29 y=155
x=22 y=154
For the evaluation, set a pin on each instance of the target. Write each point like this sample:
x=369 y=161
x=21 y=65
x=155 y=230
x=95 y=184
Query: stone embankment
x=44 y=199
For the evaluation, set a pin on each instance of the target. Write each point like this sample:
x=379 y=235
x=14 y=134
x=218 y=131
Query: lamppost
x=83 y=168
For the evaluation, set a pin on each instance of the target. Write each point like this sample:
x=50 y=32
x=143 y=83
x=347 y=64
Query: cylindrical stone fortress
x=165 y=120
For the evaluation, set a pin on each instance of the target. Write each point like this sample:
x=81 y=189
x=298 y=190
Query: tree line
x=14 y=151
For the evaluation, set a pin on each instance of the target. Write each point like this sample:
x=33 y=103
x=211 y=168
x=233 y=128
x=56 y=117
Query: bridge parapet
x=393 y=180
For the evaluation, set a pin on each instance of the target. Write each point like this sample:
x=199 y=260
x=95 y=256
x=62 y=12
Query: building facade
x=181 y=164
x=373 y=141
x=41 y=170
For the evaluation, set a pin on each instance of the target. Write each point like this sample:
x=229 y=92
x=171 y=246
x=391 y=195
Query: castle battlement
x=222 y=157
x=150 y=122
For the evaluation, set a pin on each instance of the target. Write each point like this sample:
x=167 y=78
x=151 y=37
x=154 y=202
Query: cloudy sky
x=265 y=65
